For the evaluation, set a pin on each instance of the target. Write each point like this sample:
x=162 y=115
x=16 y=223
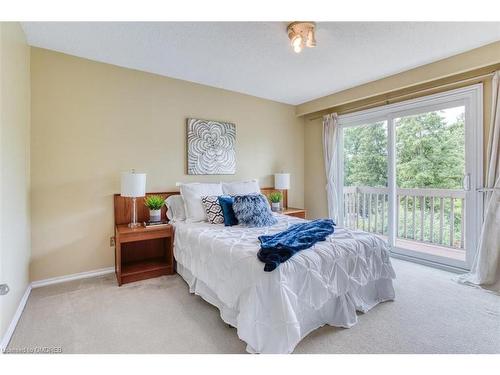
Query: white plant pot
x=154 y=215
x=275 y=207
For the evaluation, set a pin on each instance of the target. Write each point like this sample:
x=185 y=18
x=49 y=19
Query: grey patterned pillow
x=213 y=209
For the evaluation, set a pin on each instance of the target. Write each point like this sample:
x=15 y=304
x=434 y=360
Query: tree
x=429 y=153
x=365 y=155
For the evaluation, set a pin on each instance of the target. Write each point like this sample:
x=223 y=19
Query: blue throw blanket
x=280 y=247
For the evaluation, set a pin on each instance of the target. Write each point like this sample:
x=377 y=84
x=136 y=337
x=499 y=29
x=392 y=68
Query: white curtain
x=485 y=270
x=329 y=153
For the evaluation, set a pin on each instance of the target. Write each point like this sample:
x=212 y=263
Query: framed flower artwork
x=210 y=147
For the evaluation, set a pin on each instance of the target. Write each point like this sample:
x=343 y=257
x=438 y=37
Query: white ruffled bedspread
x=273 y=311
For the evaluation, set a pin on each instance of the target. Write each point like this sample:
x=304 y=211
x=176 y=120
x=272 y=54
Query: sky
x=451 y=114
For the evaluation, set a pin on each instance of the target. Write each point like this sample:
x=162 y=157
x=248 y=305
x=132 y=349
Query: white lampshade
x=133 y=184
x=282 y=181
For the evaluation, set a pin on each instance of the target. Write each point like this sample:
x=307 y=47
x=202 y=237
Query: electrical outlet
x=112 y=241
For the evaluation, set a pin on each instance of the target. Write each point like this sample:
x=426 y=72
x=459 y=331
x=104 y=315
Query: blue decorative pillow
x=226 y=202
x=253 y=210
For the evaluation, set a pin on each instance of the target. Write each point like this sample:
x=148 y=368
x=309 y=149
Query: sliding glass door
x=410 y=173
x=365 y=179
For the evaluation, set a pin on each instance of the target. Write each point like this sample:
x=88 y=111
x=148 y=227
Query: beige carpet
x=432 y=314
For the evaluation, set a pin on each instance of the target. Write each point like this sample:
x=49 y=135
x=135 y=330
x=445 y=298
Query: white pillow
x=175 y=208
x=241 y=187
x=192 y=193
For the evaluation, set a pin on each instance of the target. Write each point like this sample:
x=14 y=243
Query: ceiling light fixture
x=302 y=34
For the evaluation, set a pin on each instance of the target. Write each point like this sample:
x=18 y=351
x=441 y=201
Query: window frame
x=471 y=97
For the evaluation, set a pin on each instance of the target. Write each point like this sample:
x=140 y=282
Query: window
x=409 y=173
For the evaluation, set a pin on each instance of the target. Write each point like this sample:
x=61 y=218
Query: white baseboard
x=15 y=319
x=75 y=276
x=37 y=284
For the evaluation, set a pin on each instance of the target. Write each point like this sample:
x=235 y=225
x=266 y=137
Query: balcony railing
x=435 y=216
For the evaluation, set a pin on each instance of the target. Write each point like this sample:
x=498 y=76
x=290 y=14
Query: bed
x=272 y=311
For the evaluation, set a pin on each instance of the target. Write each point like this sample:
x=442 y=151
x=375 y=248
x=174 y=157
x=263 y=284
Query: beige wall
x=90 y=121
x=314 y=186
x=14 y=168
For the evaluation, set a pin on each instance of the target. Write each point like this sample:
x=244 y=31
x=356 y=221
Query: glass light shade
x=133 y=184
x=297 y=43
x=282 y=181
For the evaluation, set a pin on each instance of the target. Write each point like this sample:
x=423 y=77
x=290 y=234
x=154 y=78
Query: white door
x=410 y=173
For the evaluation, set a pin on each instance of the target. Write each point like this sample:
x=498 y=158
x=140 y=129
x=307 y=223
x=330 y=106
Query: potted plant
x=275 y=198
x=154 y=203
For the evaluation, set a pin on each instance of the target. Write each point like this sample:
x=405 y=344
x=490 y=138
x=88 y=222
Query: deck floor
x=429 y=248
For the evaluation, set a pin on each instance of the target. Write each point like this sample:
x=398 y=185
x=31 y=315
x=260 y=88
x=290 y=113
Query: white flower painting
x=210 y=147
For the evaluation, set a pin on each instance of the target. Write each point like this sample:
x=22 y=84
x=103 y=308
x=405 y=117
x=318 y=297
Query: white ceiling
x=255 y=57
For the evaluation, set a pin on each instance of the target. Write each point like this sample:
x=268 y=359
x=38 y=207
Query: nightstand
x=142 y=253
x=297 y=212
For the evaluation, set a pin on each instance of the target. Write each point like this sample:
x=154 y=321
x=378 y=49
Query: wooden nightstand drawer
x=141 y=234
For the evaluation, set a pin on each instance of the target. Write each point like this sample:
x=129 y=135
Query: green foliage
x=275 y=196
x=365 y=155
x=429 y=153
x=154 y=202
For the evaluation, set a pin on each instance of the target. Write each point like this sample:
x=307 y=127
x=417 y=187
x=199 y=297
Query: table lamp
x=282 y=182
x=133 y=185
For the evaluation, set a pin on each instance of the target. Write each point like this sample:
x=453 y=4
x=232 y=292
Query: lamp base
x=134 y=223
x=282 y=203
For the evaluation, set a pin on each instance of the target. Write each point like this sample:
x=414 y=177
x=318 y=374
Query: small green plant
x=154 y=202
x=275 y=197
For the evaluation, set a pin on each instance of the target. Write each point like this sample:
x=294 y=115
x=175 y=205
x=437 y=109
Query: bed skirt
x=267 y=336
